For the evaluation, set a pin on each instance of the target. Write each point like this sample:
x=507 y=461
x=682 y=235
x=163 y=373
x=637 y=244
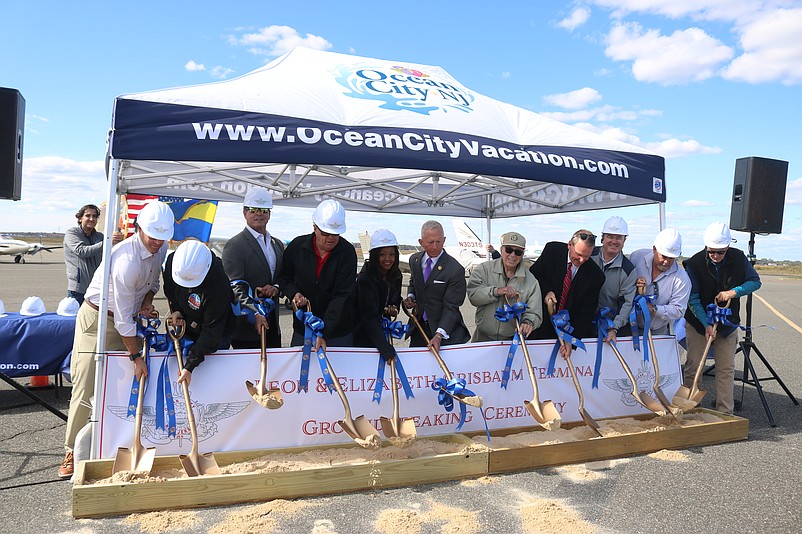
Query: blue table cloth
x=35 y=346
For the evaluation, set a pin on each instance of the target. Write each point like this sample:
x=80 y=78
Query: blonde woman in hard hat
x=718 y=273
x=135 y=269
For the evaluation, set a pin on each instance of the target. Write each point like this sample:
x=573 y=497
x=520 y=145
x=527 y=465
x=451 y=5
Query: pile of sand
x=451 y=520
x=259 y=518
x=157 y=522
x=551 y=515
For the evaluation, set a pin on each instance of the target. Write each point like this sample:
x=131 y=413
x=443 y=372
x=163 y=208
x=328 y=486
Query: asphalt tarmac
x=748 y=486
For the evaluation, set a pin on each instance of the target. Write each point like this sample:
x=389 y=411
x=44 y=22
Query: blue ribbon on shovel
x=396 y=330
x=313 y=329
x=504 y=314
x=604 y=324
x=264 y=306
x=640 y=306
x=448 y=390
x=717 y=314
x=562 y=326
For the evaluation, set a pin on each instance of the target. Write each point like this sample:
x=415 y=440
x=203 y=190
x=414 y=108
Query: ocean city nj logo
x=657 y=185
x=401 y=88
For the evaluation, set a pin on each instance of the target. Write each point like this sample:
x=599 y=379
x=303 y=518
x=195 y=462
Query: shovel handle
x=433 y=350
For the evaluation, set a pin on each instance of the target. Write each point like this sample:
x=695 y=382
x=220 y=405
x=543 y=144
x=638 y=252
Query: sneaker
x=67 y=466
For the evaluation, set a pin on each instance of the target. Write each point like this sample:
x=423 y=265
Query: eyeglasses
x=258 y=211
x=512 y=250
x=716 y=252
x=325 y=234
x=590 y=239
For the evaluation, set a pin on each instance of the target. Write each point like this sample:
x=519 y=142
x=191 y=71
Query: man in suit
x=255 y=256
x=437 y=289
x=577 y=292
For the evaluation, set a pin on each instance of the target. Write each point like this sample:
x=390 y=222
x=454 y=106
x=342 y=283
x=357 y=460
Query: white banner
x=228 y=419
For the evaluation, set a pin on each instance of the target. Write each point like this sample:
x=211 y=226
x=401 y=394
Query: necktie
x=566 y=288
x=426 y=272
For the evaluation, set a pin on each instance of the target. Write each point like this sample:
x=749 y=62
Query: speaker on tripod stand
x=758 y=199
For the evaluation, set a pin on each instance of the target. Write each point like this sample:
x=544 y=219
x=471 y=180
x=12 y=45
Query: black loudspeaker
x=758 y=195
x=12 y=126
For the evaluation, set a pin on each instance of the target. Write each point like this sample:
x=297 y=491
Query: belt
x=94 y=307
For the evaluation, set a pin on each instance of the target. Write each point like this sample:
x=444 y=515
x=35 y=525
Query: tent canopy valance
x=378 y=135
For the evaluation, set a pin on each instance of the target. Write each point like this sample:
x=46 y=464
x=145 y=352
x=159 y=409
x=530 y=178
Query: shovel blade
x=646 y=400
x=361 y=431
x=472 y=400
x=140 y=460
x=202 y=464
x=688 y=399
x=388 y=429
x=590 y=421
x=544 y=413
x=271 y=399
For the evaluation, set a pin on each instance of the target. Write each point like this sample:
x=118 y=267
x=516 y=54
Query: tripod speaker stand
x=747 y=346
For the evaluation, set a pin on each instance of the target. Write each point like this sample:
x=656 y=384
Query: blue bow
x=313 y=329
x=562 y=325
x=397 y=330
x=448 y=390
x=263 y=306
x=717 y=314
x=640 y=306
x=604 y=324
x=507 y=313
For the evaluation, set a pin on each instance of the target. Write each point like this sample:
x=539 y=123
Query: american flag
x=132 y=203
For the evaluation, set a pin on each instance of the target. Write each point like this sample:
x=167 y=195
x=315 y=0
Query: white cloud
x=793 y=193
x=697 y=203
x=577 y=18
x=191 y=66
x=606 y=113
x=506 y=75
x=273 y=41
x=726 y=10
x=677 y=148
x=772 y=49
x=682 y=57
x=220 y=72
x=577 y=99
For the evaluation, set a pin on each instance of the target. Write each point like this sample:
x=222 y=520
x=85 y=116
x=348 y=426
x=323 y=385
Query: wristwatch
x=134 y=356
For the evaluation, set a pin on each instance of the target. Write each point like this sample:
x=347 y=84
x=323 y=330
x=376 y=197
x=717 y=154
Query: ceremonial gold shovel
x=688 y=398
x=360 y=430
x=642 y=397
x=545 y=412
x=472 y=400
x=582 y=411
x=137 y=458
x=271 y=399
x=194 y=464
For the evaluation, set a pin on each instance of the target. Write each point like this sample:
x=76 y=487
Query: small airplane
x=19 y=249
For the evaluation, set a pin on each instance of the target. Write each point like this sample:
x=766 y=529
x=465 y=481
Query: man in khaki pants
x=135 y=269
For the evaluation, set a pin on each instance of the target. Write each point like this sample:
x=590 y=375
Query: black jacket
x=206 y=310
x=332 y=295
x=731 y=273
x=372 y=295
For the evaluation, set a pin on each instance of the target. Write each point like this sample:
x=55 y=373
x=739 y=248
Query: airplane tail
x=467 y=238
x=364 y=242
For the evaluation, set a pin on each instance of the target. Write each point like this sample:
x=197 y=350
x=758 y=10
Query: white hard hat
x=2 y=309
x=156 y=219
x=191 y=262
x=383 y=238
x=329 y=216
x=717 y=236
x=669 y=243
x=258 y=197
x=32 y=306
x=615 y=225
x=68 y=307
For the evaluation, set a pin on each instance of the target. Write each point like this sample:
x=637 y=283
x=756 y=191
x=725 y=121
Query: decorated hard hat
x=717 y=236
x=669 y=243
x=615 y=225
x=191 y=262
x=329 y=216
x=382 y=238
x=68 y=307
x=258 y=197
x=156 y=219
x=32 y=306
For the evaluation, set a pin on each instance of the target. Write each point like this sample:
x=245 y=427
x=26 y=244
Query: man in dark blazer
x=586 y=282
x=439 y=295
x=255 y=256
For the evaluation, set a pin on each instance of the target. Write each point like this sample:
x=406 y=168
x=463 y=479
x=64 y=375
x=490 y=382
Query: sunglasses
x=586 y=237
x=716 y=252
x=325 y=234
x=516 y=251
x=259 y=211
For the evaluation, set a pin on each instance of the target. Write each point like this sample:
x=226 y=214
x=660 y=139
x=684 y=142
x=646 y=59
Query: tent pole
x=488 y=203
x=112 y=205
x=662 y=214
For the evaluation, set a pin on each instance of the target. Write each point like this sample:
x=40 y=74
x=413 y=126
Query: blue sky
x=701 y=82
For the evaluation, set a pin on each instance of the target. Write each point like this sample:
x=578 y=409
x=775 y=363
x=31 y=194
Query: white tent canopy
x=379 y=135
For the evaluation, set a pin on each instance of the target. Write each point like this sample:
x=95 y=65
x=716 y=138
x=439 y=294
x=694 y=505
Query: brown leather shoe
x=67 y=466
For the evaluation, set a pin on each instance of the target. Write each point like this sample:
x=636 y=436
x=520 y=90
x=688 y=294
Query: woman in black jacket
x=378 y=293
